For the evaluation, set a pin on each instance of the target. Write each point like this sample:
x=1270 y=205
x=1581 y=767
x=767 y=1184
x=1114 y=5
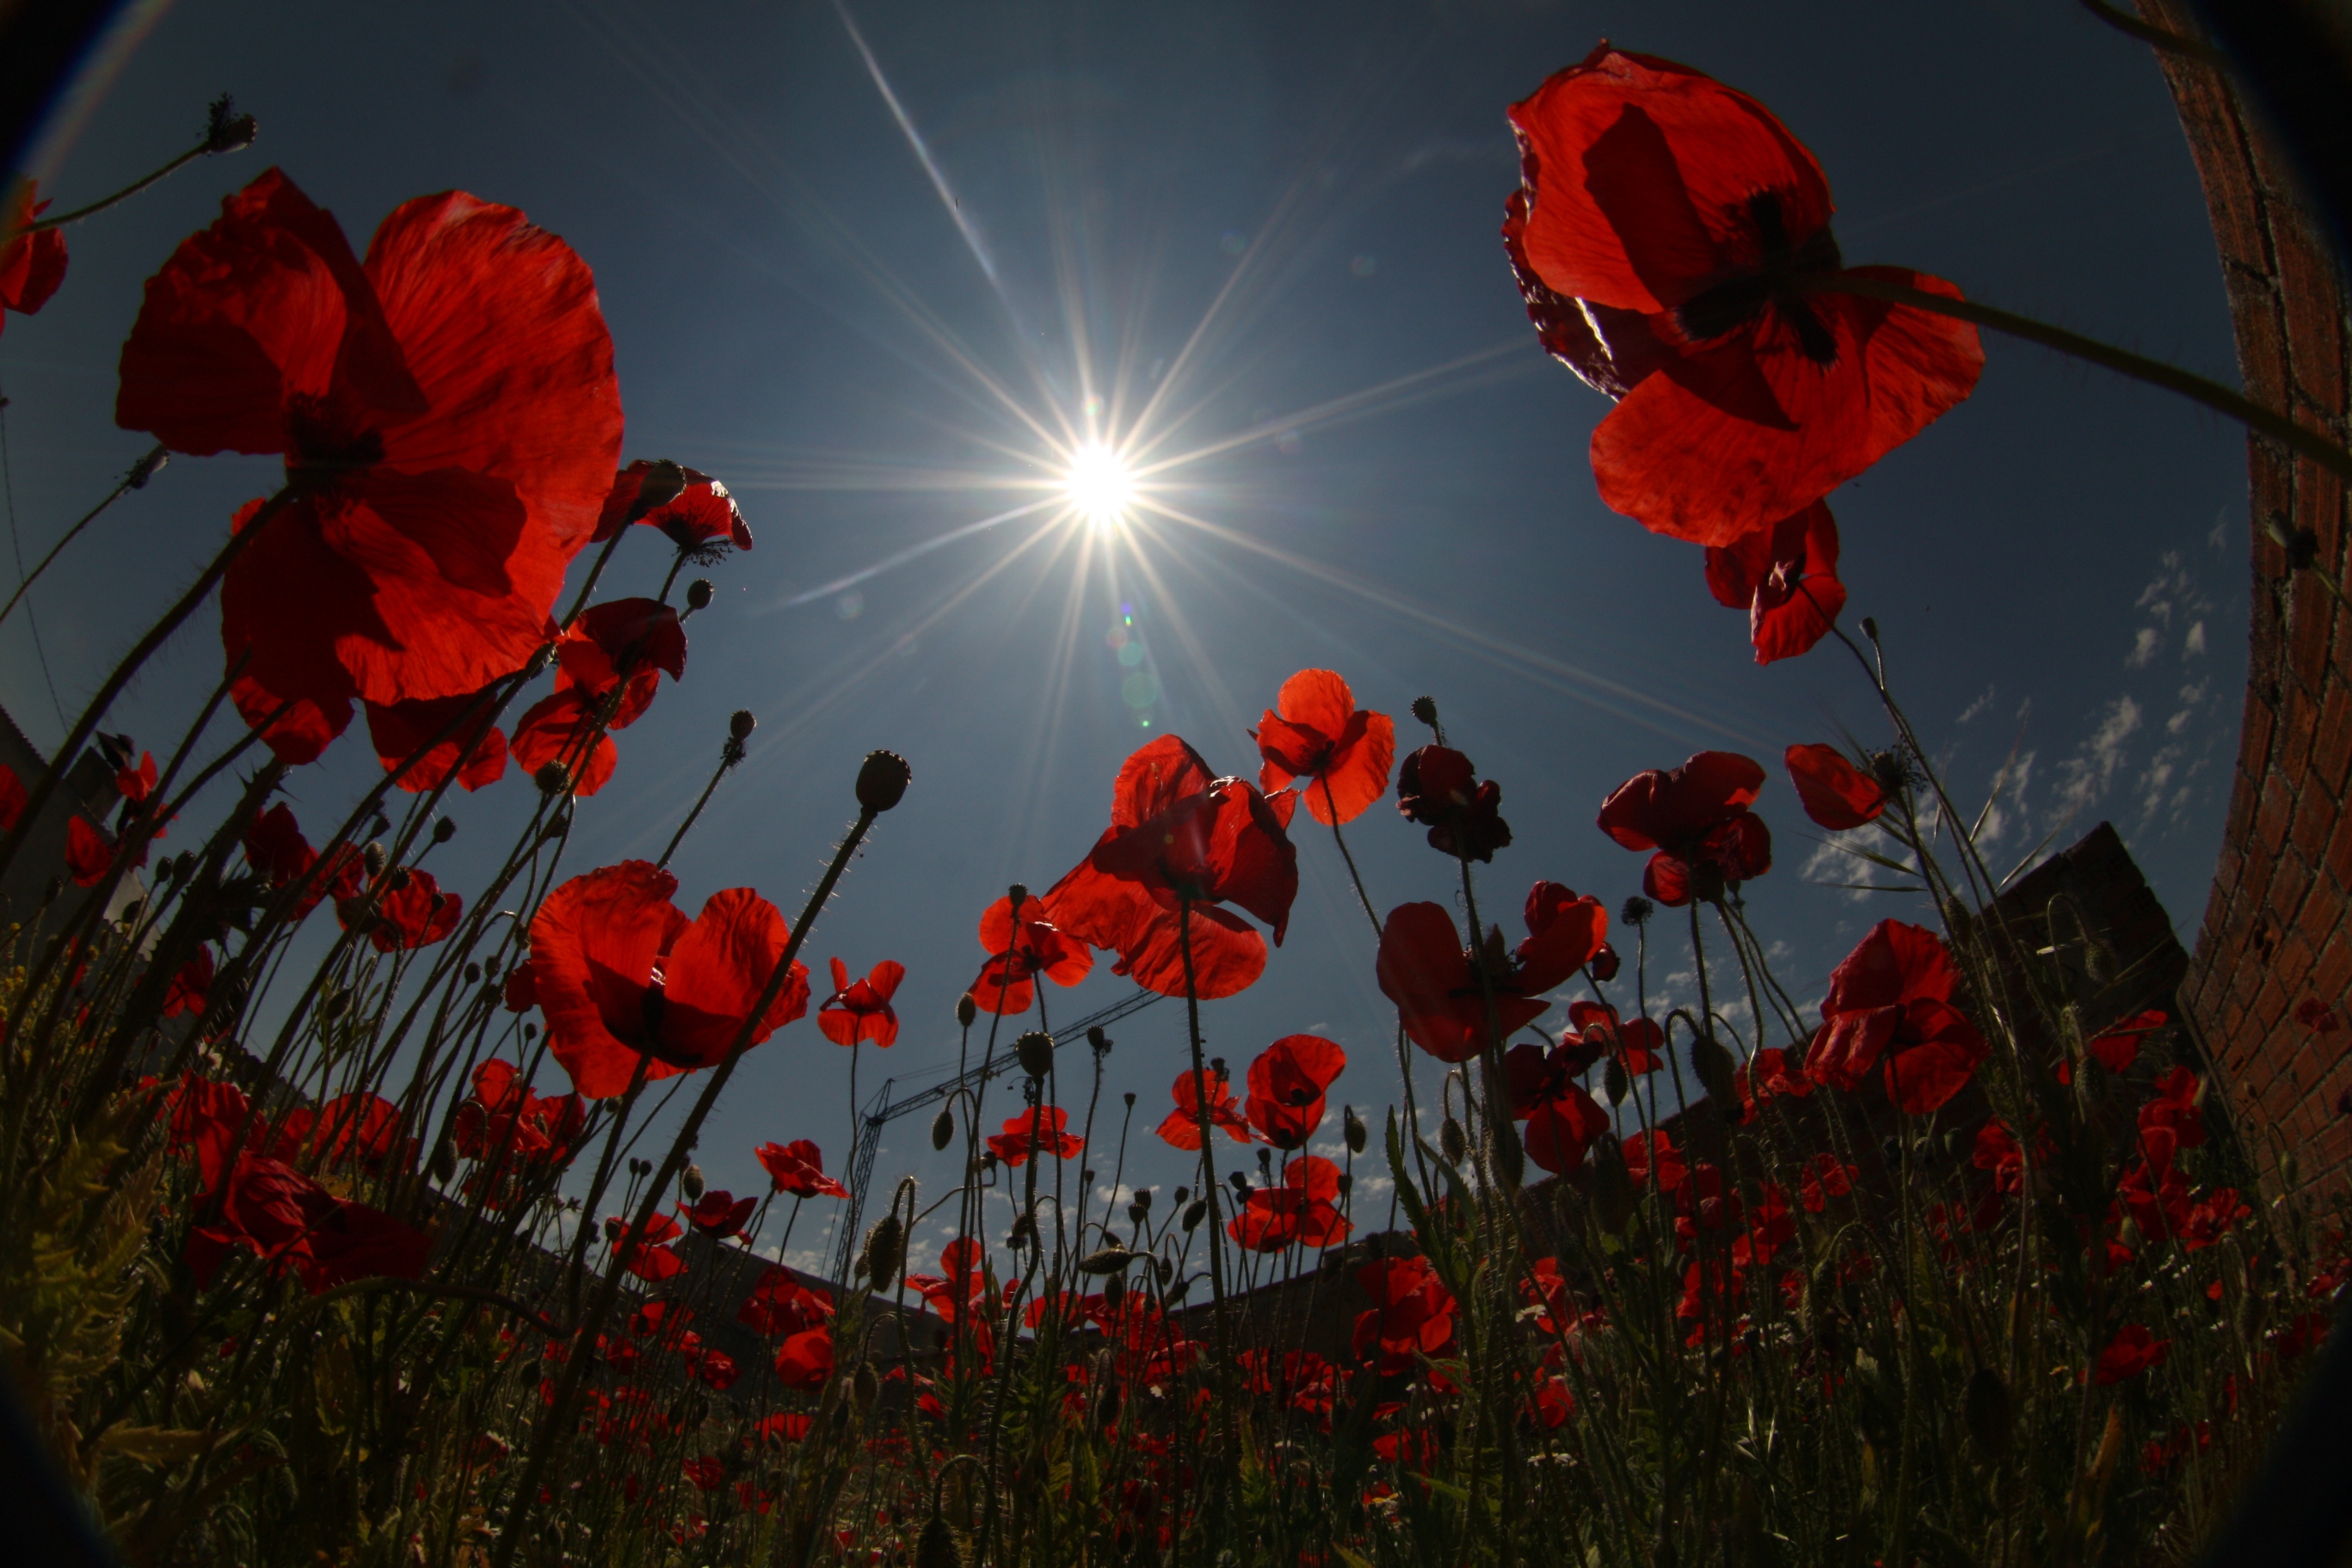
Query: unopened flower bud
x=942 y=1129
x=690 y=1182
x=1614 y=1082
x=865 y=1387
x=1239 y=1183
x=1605 y=963
x=614 y=1228
x=381 y=826
x=1181 y=1195
x=1114 y=1291
x=1870 y=627
x=1453 y=1141
x=1035 y=1050
x=742 y=724
x=885 y=1250
x=882 y=782
x=473 y=974
x=1025 y=1229
x=1193 y=1215
x=1351 y=1127
x=966 y=1010
x=444 y=1164
x=443 y=831
x=1097 y=1038
x=374 y=857
x=553 y=779
x=697 y=593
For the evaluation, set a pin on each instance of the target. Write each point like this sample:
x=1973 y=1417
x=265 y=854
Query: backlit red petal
x=594 y=946
x=715 y=973
x=1836 y=793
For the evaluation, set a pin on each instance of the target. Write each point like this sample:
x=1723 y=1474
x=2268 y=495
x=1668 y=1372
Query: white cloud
x=1975 y=707
x=2085 y=776
x=1833 y=861
x=2194 y=643
x=2143 y=649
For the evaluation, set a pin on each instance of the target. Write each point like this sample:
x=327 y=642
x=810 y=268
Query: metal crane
x=882 y=1110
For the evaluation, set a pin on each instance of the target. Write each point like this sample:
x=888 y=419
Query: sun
x=1098 y=484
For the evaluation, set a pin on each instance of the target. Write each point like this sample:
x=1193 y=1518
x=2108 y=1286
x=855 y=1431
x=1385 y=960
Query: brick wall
x=2271 y=981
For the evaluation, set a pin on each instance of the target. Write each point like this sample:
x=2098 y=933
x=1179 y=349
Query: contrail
x=922 y=153
x=911 y=551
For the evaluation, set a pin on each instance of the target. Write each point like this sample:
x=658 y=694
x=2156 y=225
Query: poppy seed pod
x=1636 y=911
x=1712 y=1061
x=1136 y=1214
x=1017 y=894
x=614 y=1228
x=935 y=1547
x=1036 y=1051
x=227 y=131
x=1183 y=1193
x=1130 y=1099
x=690 y=1182
x=1142 y=1199
x=740 y=726
x=882 y=782
x=443 y=831
x=1193 y=1214
x=1425 y=710
x=552 y=779
x=1097 y=1040
x=967 y=1010
x=942 y=1129
x=374 y=859
x=697 y=593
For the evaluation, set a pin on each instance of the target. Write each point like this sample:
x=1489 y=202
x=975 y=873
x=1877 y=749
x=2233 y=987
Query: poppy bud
x=374 y=859
x=942 y=1129
x=1351 y=1127
x=698 y=594
x=146 y=468
x=529 y=1033
x=1509 y=1161
x=443 y=831
x=1163 y=1269
x=690 y=1182
x=1130 y=1099
x=1036 y=1050
x=552 y=779
x=865 y=1387
x=1114 y=1291
x=1239 y=1183
x=1018 y=895
x=1615 y=1083
x=381 y=826
x=1636 y=911
x=473 y=974
x=1605 y=963
x=1182 y=1194
x=1136 y=1214
x=641 y=1167
x=740 y=726
x=882 y=782
x=332 y=1007
x=1870 y=627
x=935 y=1547
x=1112 y=1259
x=1453 y=1141
x=1425 y=710
x=1097 y=1038
x=225 y=131
x=1347 y=1183
x=1087 y=1174
x=614 y=1228
x=1712 y=1061
x=1024 y=1230
x=1193 y=1215
x=443 y=1164
x=966 y=1010
x=166 y=868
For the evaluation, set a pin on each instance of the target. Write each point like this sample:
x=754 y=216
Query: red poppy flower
x=564 y=727
x=191 y=986
x=1644 y=1150
x=1532 y=1074
x=450 y=424
x=361 y=1129
x=1767 y=1076
x=720 y=1213
x=1836 y=793
x=1785 y=576
x=2116 y=1047
x=1179 y=839
x=400 y=731
x=781 y=1304
x=1637 y=1042
x=707 y=1471
x=276 y=849
x=1654 y=191
x=622 y=975
x=31 y=264
x=798 y=1167
x=1182 y=1127
x=1040 y=1128
x=1299 y=1211
x=1891 y=1001
x=13 y=796
x=695 y=510
x=1319 y=739
x=1439 y=789
x=1696 y=817
x=504 y=1116
x=804 y=1361
x=206 y=1119
x=1015 y=957
x=289 y=1220
x=784 y=1427
x=653 y=1264
x=88 y=853
x=1562 y=1127
x=135 y=784
x=410 y=911
x=1825 y=1177
x=862 y=1011
x=1411 y=1315
x=2132 y=1351
x=2173 y=1120
x=1435 y=981
x=1286 y=1084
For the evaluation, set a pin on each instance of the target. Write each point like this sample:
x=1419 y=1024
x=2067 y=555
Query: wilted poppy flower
x=1438 y=788
x=1637 y=1042
x=1180 y=839
x=798 y=1167
x=720 y=1213
x=276 y=849
x=13 y=796
x=402 y=731
x=190 y=985
x=1562 y=1127
x=1836 y=793
x=31 y=264
x=695 y=511
x=1891 y=1001
x=1686 y=221
x=1299 y=1211
x=862 y=1011
x=1785 y=576
x=1286 y=1084
x=88 y=853
x=1435 y=981
x=1019 y=952
x=450 y=424
x=410 y=911
x=1182 y=1127
x=2132 y=1351
x=623 y=976
x=1696 y=817
x=1041 y=1128
x=1317 y=739
x=780 y=1304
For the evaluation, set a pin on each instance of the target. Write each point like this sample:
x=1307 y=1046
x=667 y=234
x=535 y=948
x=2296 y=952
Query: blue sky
x=1394 y=484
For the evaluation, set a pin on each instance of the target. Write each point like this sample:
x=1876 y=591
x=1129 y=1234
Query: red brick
x=2290 y=880
x=2314 y=318
x=2270 y=1009
x=2331 y=977
x=2273 y=813
x=2254 y=741
x=2293 y=963
x=2331 y=744
x=2297 y=726
x=2310 y=625
x=2339 y=860
x=2315 y=819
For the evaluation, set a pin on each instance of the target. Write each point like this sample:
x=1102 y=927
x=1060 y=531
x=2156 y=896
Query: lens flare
x=1098 y=484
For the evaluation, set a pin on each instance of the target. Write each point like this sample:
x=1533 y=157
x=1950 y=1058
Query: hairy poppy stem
x=557 y=1417
x=1216 y=1225
x=1353 y=875
x=2138 y=367
x=136 y=479
x=124 y=195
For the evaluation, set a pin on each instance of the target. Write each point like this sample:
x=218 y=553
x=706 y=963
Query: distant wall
x=2271 y=980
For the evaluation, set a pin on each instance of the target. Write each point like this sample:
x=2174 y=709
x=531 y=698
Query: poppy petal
x=1836 y=793
x=594 y=946
x=715 y=973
